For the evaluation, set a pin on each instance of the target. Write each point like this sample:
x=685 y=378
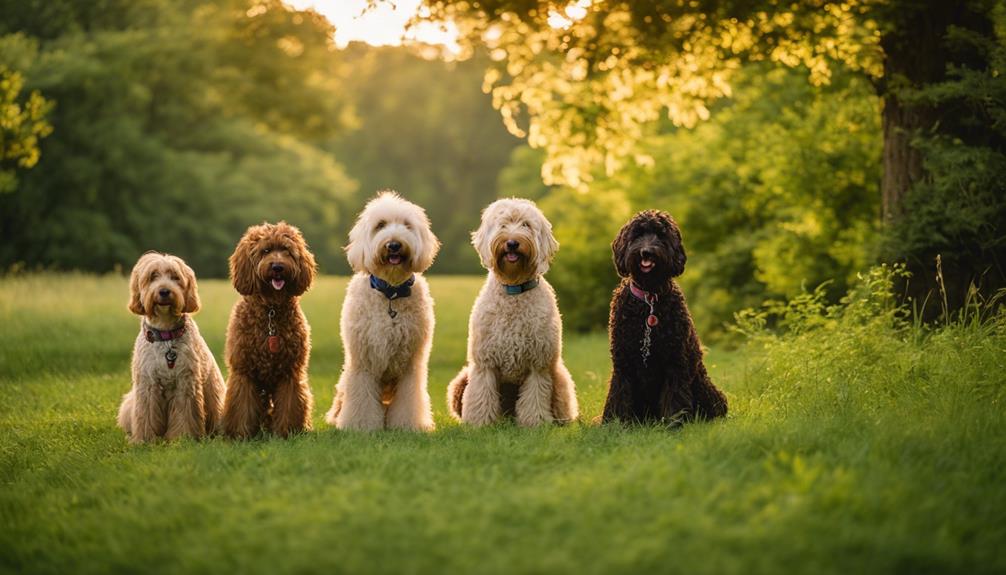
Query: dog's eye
x=380 y=225
x=525 y=225
x=266 y=250
x=408 y=226
x=153 y=276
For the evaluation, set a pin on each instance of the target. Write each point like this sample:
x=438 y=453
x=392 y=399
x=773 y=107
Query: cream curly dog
x=177 y=387
x=515 y=332
x=387 y=320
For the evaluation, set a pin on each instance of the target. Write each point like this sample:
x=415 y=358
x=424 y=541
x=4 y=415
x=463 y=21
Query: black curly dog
x=659 y=378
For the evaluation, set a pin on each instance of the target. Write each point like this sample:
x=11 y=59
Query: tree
x=178 y=124
x=22 y=124
x=590 y=77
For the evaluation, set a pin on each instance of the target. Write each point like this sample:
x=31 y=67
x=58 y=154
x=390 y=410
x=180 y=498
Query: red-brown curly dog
x=268 y=337
x=658 y=374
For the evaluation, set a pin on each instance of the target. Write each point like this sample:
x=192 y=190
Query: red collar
x=643 y=295
x=163 y=335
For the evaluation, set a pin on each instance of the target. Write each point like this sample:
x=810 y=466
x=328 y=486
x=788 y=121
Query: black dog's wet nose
x=164 y=293
x=512 y=245
x=393 y=247
x=277 y=268
x=647 y=254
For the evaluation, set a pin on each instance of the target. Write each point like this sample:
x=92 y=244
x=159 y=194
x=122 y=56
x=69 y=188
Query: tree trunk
x=914 y=56
x=917 y=54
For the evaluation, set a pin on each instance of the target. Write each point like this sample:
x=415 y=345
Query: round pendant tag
x=273 y=343
x=652 y=320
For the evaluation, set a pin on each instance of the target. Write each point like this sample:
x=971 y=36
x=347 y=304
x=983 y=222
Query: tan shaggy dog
x=515 y=332
x=387 y=320
x=268 y=337
x=177 y=387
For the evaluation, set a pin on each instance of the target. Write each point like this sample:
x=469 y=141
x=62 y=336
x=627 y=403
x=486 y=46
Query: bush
x=583 y=273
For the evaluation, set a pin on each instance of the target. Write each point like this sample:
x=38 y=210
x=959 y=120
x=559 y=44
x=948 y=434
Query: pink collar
x=643 y=295
x=154 y=334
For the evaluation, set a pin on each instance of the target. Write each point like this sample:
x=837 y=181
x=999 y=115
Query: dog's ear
x=242 y=268
x=308 y=267
x=192 y=303
x=678 y=257
x=547 y=244
x=135 y=296
x=356 y=249
x=620 y=248
x=429 y=244
x=480 y=239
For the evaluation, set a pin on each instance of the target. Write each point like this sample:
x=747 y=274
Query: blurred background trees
x=796 y=143
x=179 y=123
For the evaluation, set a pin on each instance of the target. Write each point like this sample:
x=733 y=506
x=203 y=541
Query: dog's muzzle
x=277 y=277
x=393 y=253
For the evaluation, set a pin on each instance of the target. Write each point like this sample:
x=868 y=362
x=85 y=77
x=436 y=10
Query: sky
x=381 y=26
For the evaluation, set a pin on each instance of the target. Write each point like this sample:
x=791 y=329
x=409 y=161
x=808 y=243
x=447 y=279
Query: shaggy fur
x=514 y=341
x=383 y=382
x=671 y=386
x=267 y=382
x=169 y=402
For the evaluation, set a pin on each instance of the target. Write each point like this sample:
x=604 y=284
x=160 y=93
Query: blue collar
x=390 y=291
x=521 y=288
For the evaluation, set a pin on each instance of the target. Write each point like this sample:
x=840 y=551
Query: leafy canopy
x=583 y=80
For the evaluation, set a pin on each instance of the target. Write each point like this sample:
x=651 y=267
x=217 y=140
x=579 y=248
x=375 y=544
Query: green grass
x=849 y=449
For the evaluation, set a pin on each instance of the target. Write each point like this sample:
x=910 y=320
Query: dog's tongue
x=512 y=257
x=394 y=259
x=646 y=265
x=277 y=284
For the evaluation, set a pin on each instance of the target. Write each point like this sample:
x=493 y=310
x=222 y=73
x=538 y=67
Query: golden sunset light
x=385 y=24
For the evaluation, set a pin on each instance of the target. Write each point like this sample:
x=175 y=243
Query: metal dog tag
x=171 y=356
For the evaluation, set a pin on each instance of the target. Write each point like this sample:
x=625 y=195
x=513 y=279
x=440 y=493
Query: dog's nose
x=512 y=245
x=164 y=292
x=277 y=268
x=393 y=247
x=647 y=254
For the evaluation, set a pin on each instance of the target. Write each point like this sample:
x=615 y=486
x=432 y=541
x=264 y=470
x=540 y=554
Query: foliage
x=865 y=437
x=22 y=124
x=960 y=209
x=177 y=125
x=587 y=82
x=583 y=274
x=775 y=191
x=424 y=128
x=588 y=76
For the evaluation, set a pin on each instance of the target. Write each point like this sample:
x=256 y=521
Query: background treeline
x=176 y=124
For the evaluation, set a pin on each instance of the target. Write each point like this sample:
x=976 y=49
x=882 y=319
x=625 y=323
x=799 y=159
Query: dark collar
x=642 y=295
x=154 y=334
x=390 y=291
x=521 y=288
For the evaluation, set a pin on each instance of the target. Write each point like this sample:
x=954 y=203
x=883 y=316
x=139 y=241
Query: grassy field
x=845 y=452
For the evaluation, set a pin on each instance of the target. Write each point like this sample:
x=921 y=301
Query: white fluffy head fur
x=515 y=220
x=389 y=218
x=162 y=284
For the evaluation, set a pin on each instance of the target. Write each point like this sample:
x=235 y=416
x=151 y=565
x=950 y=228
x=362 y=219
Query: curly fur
x=514 y=341
x=383 y=381
x=672 y=385
x=168 y=402
x=265 y=389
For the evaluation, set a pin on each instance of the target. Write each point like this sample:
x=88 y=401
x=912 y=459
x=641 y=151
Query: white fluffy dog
x=177 y=387
x=515 y=332
x=387 y=320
